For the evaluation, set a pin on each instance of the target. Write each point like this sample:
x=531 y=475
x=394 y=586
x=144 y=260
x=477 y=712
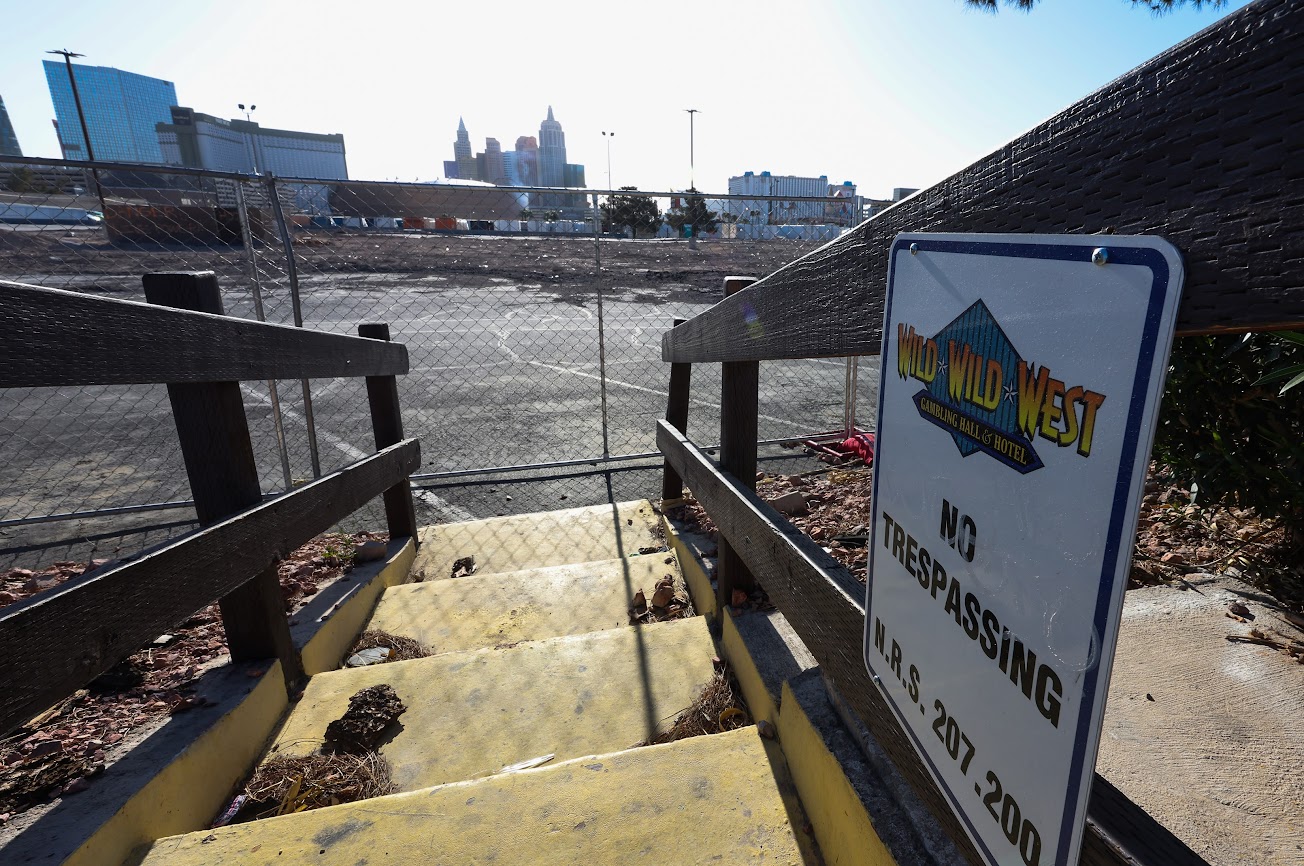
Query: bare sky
x=881 y=92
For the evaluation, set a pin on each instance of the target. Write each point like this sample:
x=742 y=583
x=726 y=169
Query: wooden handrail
x=126 y=342
x=53 y=643
x=1201 y=145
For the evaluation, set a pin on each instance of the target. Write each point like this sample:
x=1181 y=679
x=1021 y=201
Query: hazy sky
x=881 y=92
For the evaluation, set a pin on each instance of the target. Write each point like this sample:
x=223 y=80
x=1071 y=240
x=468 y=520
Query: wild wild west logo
x=978 y=389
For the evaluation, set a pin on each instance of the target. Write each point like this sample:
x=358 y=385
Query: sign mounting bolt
x=914 y=249
x=1100 y=256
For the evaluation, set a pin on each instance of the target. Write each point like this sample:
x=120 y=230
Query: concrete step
x=703 y=800
x=495 y=609
x=471 y=713
x=501 y=544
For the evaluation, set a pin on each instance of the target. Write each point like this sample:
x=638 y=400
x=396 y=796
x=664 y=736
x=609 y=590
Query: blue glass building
x=8 y=141
x=122 y=110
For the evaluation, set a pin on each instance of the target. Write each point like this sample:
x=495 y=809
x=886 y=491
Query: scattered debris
x=464 y=567
x=669 y=601
x=283 y=785
x=371 y=711
x=370 y=551
x=400 y=648
x=792 y=503
x=717 y=708
x=528 y=764
x=373 y=656
x=1292 y=648
x=1238 y=611
x=665 y=592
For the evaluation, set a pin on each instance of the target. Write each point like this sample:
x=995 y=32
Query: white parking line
x=443 y=509
x=611 y=381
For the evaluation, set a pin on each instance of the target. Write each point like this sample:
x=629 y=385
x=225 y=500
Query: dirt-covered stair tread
x=523 y=541
x=471 y=713
x=702 y=800
x=534 y=604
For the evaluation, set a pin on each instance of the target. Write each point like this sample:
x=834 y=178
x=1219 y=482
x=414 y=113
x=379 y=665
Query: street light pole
x=81 y=118
x=691 y=182
x=609 y=136
x=253 y=145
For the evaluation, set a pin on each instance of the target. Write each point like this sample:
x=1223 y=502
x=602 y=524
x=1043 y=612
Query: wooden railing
x=1202 y=145
x=55 y=642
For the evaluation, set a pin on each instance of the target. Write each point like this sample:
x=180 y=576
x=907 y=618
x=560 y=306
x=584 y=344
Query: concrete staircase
x=534 y=655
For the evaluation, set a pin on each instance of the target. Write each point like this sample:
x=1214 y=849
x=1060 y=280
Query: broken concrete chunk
x=369 y=551
x=792 y=504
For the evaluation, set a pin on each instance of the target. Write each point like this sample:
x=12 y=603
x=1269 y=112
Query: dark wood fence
x=1203 y=145
x=53 y=643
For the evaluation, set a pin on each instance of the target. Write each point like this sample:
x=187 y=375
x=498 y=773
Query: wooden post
x=672 y=486
x=739 y=385
x=214 y=436
x=387 y=424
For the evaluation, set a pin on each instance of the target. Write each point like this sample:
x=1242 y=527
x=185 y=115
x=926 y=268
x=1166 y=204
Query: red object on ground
x=861 y=445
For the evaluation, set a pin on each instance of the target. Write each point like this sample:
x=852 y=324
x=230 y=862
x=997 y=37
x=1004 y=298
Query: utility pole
x=692 y=183
x=609 y=136
x=691 y=112
x=253 y=145
x=81 y=117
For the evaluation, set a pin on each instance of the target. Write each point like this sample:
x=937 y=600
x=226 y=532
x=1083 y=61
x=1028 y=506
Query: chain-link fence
x=533 y=320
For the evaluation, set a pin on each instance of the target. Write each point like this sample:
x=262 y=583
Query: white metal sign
x=1021 y=378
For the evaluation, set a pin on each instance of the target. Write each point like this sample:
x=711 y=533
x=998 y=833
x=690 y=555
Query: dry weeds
x=718 y=708
x=284 y=785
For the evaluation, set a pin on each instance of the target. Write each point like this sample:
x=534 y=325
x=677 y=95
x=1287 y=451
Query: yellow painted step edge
x=187 y=793
x=841 y=824
x=348 y=606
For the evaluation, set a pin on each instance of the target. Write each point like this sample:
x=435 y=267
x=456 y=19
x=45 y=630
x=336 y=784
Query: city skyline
x=886 y=93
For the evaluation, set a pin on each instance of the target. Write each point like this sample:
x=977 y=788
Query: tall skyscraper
x=552 y=152
x=462 y=153
x=527 y=160
x=121 y=109
x=493 y=162
x=8 y=140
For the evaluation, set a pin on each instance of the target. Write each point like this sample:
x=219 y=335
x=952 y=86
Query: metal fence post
x=292 y=272
x=849 y=398
x=602 y=336
x=256 y=288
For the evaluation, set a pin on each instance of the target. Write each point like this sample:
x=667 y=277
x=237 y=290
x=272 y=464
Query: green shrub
x=1227 y=426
